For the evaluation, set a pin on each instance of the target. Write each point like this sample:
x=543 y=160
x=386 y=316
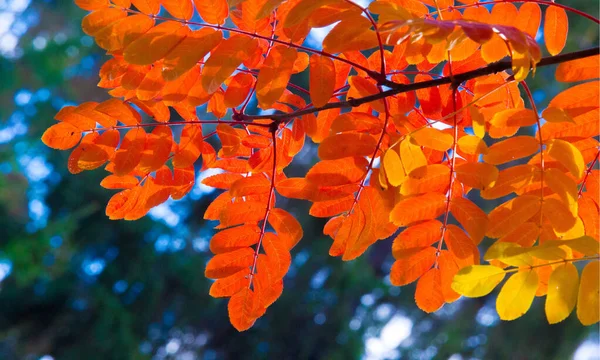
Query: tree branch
x=402 y=88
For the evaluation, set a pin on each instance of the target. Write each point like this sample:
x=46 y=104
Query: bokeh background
x=74 y=285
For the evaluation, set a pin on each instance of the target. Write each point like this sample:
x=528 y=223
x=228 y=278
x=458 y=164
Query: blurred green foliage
x=78 y=286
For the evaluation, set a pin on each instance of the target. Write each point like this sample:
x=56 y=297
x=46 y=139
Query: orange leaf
x=119 y=182
x=181 y=9
x=243 y=309
x=266 y=285
x=183 y=181
x=529 y=18
x=156 y=43
x=470 y=216
x=352 y=33
x=130 y=152
x=416 y=237
x=421 y=207
x=430 y=178
x=361 y=87
x=99 y=151
x=230 y=139
x=189 y=149
x=147 y=6
x=230 y=285
x=187 y=53
x=158 y=149
x=460 y=245
x=274 y=75
x=238 y=89
x=213 y=12
x=234 y=238
x=577 y=70
x=321 y=79
x=356 y=121
x=477 y=175
x=94 y=22
x=91 y=5
x=428 y=294
x=225 y=59
x=524 y=235
x=251 y=185
x=61 y=136
x=514 y=118
x=325 y=209
x=222 y=181
x=409 y=268
x=286 y=226
x=337 y=172
x=242 y=213
x=278 y=255
x=226 y=264
x=510 y=180
x=514 y=148
x=577 y=103
x=347 y=144
x=120 y=110
x=510 y=215
x=556 y=28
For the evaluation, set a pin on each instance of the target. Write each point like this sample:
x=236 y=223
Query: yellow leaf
x=562 y=293
x=517 y=294
x=588 y=302
x=478 y=122
x=433 y=138
x=393 y=168
x=508 y=253
x=568 y=155
x=477 y=280
x=412 y=156
x=563 y=186
x=472 y=145
x=514 y=117
x=556 y=115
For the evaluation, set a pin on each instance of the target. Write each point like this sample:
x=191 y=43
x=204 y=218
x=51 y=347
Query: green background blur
x=74 y=285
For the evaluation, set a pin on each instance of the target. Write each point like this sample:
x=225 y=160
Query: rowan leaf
x=556 y=28
x=578 y=70
x=433 y=138
x=428 y=294
x=229 y=286
x=568 y=155
x=321 y=79
x=477 y=175
x=416 y=238
x=417 y=208
x=517 y=294
x=274 y=75
x=511 y=149
x=229 y=263
x=225 y=59
x=562 y=293
x=61 y=136
x=409 y=268
x=477 y=280
x=286 y=226
x=130 y=152
x=243 y=308
x=347 y=144
x=588 y=304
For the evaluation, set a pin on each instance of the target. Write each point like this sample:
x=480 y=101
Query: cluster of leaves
x=408 y=153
